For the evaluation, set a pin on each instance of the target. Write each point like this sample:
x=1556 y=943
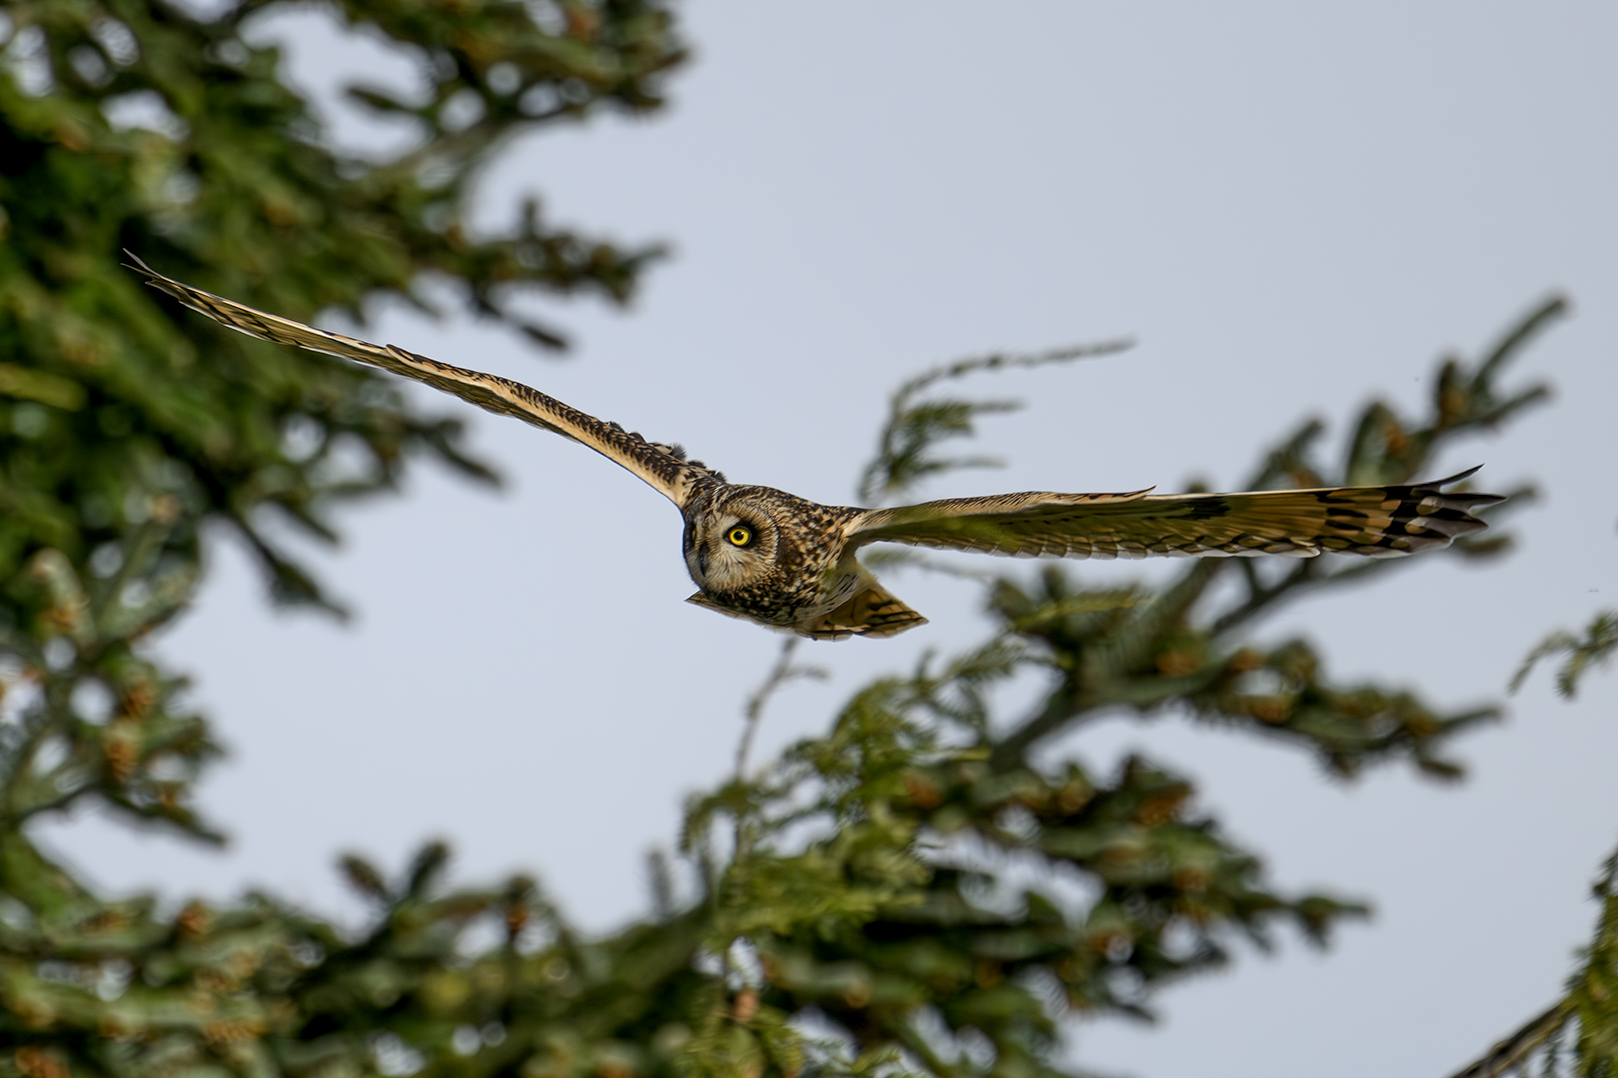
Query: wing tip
x=1470 y=498
x=135 y=263
x=153 y=279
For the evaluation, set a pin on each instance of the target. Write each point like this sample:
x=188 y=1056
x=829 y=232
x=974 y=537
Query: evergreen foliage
x=1577 y=1037
x=926 y=889
x=1594 y=648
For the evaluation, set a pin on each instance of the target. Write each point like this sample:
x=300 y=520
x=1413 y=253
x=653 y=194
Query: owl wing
x=1372 y=521
x=664 y=467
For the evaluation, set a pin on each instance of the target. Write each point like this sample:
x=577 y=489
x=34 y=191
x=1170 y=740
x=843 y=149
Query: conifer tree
x=1577 y=1036
x=857 y=880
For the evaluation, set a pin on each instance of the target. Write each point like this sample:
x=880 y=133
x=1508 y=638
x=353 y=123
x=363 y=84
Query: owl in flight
x=787 y=563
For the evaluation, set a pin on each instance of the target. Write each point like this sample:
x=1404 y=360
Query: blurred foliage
x=130 y=124
x=1594 y=648
x=929 y=888
x=1578 y=1036
x=1593 y=994
x=915 y=425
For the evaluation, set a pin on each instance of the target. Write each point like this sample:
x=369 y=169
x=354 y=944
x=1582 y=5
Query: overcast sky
x=1292 y=207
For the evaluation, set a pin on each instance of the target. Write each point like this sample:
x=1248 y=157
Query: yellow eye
x=739 y=536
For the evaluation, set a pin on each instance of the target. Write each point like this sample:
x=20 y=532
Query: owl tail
x=871 y=611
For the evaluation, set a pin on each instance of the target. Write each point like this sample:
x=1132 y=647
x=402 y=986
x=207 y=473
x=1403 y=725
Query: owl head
x=734 y=541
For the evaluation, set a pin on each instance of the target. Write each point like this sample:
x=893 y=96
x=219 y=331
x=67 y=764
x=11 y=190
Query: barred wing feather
x=664 y=467
x=1372 y=521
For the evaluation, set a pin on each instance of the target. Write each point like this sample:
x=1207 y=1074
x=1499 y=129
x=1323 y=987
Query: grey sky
x=1292 y=206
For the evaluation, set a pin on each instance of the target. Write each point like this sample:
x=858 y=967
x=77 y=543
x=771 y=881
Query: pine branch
x=1514 y=1051
x=1595 y=648
x=753 y=714
x=915 y=427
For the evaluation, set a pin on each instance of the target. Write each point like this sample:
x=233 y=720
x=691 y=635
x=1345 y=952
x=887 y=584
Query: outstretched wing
x=662 y=466
x=1372 y=521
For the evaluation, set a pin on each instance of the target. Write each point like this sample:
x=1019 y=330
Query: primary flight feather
x=788 y=563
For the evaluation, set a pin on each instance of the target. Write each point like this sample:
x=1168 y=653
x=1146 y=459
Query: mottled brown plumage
x=777 y=559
